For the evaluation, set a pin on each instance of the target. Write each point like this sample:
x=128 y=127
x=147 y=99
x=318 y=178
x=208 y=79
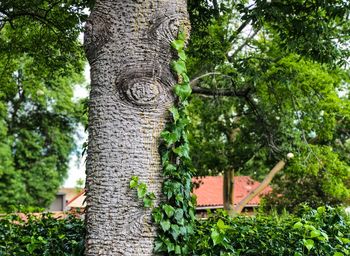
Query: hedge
x=41 y=235
x=324 y=231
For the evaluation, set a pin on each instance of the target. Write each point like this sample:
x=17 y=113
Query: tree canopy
x=41 y=59
x=272 y=78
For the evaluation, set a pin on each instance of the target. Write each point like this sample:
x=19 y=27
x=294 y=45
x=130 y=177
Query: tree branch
x=221 y=92
x=195 y=80
x=244 y=44
x=278 y=167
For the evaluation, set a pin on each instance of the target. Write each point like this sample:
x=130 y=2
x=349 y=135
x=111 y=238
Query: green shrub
x=325 y=231
x=43 y=235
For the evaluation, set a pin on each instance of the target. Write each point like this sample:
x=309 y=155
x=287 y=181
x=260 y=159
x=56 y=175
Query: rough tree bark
x=128 y=47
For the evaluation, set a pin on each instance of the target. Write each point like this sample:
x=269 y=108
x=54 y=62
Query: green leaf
x=170 y=246
x=170 y=168
x=173 y=110
x=178 y=249
x=169 y=210
x=309 y=243
x=183 y=151
x=298 y=225
x=179 y=66
x=141 y=190
x=151 y=195
x=221 y=225
x=321 y=209
x=175 y=231
x=134 y=182
x=179 y=214
x=338 y=254
x=178 y=44
x=182 y=55
x=185 y=78
x=169 y=137
x=345 y=240
x=147 y=202
x=158 y=246
x=179 y=198
x=216 y=237
x=165 y=224
x=157 y=215
x=183 y=91
x=181 y=35
x=315 y=233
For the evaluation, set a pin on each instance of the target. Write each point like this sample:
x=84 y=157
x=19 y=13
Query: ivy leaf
x=165 y=158
x=183 y=230
x=182 y=55
x=169 y=137
x=173 y=110
x=178 y=44
x=178 y=249
x=175 y=231
x=179 y=66
x=185 y=78
x=157 y=215
x=158 y=246
x=169 y=210
x=179 y=214
x=170 y=246
x=179 y=198
x=170 y=168
x=181 y=35
x=165 y=224
x=134 y=182
x=183 y=151
x=141 y=190
x=147 y=202
x=183 y=91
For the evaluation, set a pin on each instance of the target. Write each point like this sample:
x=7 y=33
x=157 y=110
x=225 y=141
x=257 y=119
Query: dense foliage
x=41 y=60
x=42 y=235
x=325 y=231
x=271 y=77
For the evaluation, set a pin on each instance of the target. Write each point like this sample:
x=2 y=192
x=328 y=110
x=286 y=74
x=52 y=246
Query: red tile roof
x=210 y=190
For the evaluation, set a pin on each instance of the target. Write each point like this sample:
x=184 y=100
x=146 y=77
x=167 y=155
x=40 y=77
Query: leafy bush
x=43 y=235
x=325 y=231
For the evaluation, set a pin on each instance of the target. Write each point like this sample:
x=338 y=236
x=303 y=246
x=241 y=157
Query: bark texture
x=128 y=47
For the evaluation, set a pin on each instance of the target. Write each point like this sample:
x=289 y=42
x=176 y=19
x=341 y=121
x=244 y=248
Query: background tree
x=269 y=86
x=41 y=60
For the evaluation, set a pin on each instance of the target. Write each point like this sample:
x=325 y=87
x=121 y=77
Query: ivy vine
x=175 y=216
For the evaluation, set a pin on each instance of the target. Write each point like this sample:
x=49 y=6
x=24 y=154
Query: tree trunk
x=128 y=47
x=229 y=176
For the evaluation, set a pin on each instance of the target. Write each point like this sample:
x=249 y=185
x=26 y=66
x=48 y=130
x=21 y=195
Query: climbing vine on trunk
x=175 y=216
